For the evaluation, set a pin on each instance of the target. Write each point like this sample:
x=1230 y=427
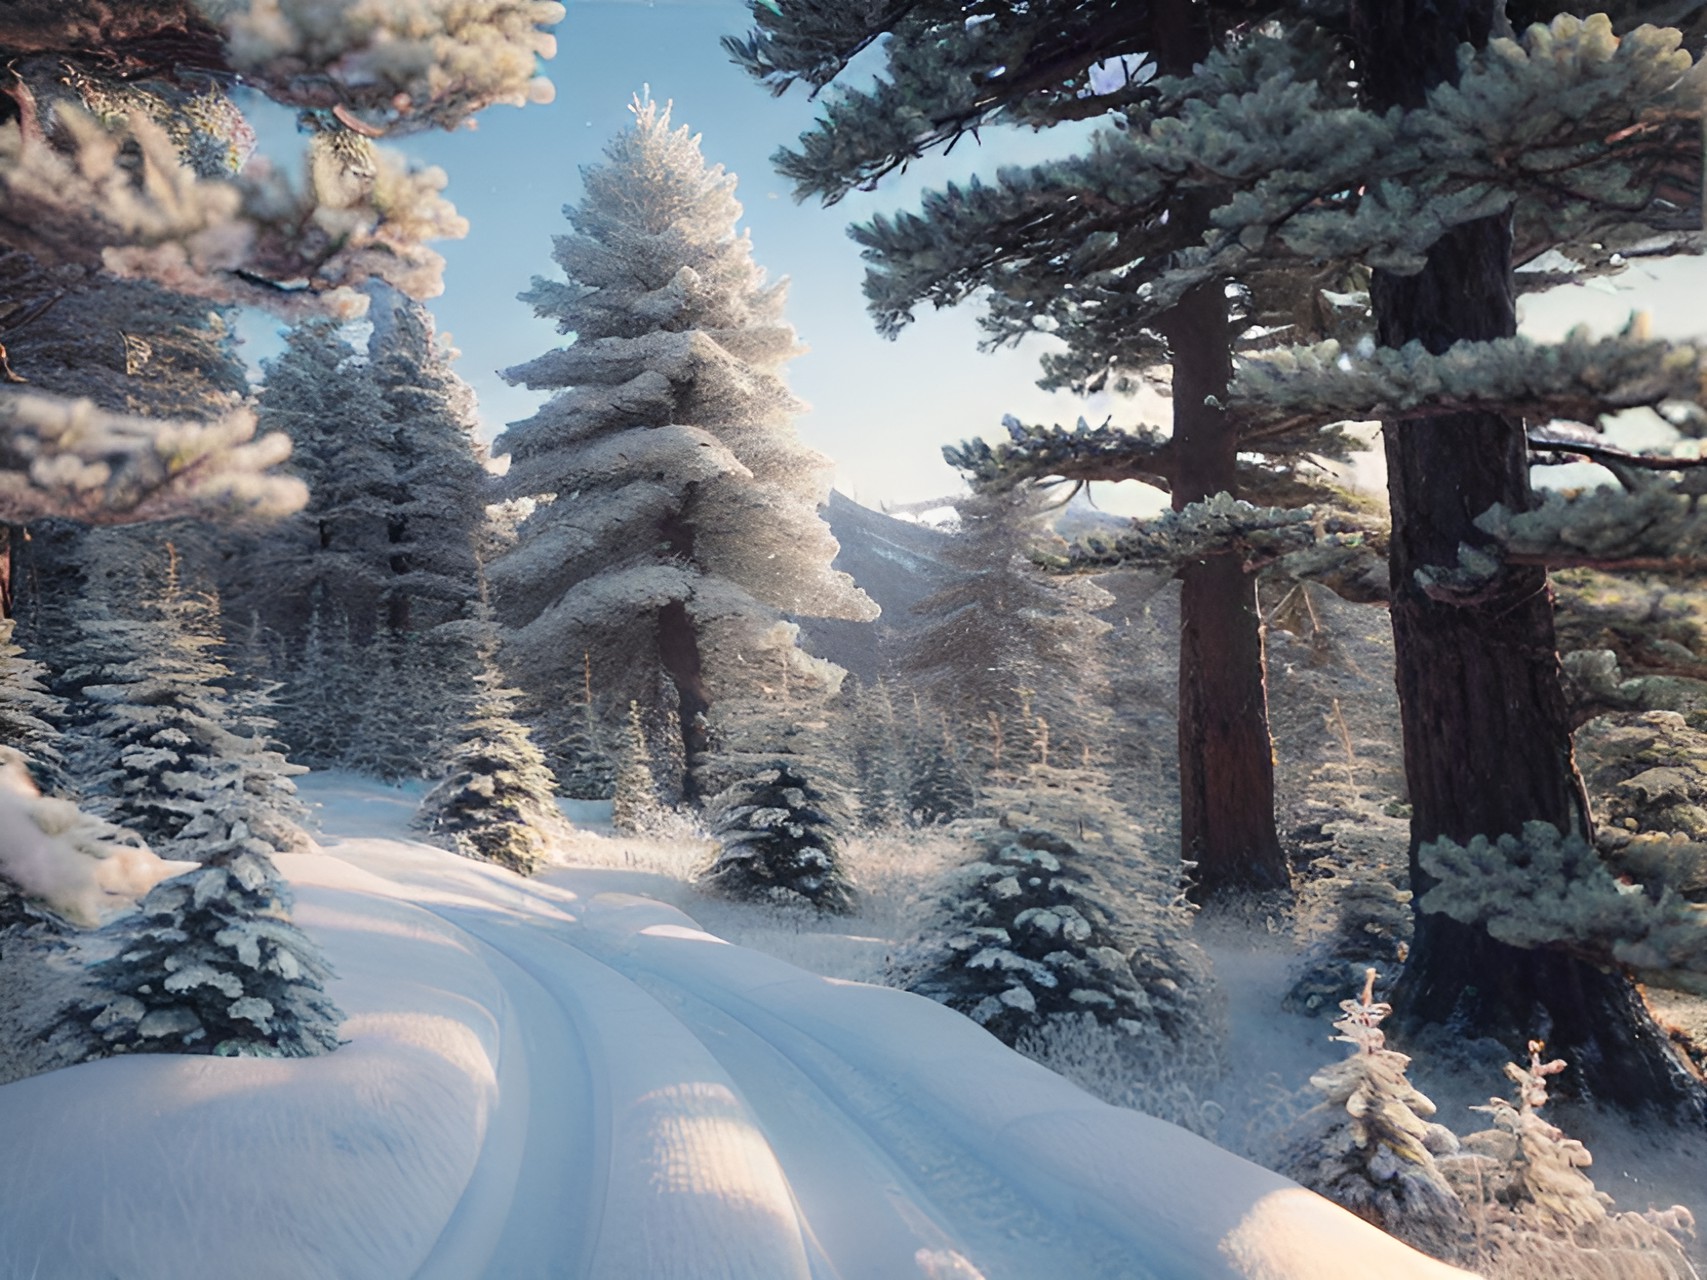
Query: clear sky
x=882 y=410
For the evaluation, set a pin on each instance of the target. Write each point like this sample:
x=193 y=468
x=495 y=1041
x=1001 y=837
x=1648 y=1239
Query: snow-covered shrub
x=779 y=839
x=1098 y=1058
x=1028 y=934
x=1536 y=1212
x=1369 y=1145
x=212 y=964
x=496 y=804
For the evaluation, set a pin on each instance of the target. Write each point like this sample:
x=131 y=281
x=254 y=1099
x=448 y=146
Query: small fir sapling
x=635 y=805
x=1369 y=1145
x=1536 y=1209
x=212 y=964
x=585 y=770
x=496 y=804
x=779 y=836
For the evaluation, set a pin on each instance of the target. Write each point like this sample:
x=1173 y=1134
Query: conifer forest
x=1252 y=824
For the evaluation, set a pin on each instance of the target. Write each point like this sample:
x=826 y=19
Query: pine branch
x=1081 y=454
x=67 y=458
x=1543 y=888
x=1581 y=379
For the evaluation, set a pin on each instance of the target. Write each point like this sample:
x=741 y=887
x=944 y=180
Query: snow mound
x=541 y=1082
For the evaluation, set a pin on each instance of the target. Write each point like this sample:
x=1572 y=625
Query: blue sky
x=882 y=410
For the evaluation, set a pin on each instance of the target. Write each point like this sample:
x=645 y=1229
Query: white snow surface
x=543 y=1079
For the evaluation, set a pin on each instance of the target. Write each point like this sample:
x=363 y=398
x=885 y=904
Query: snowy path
x=546 y=1083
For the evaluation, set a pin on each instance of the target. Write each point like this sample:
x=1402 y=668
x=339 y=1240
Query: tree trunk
x=1487 y=734
x=1226 y=757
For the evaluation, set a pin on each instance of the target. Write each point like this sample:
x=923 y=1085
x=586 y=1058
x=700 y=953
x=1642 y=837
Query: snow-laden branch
x=1544 y=888
x=1582 y=379
x=61 y=457
x=1080 y=453
x=1658 y=527
x=1300 y=542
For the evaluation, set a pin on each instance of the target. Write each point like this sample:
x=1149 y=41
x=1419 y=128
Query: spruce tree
x=1005 y=641
x=779 y=836
x=677 y=517
x=442 y=483
x=496 y=802
x=212 y=964
x=1422 y=143
x=1031 y=940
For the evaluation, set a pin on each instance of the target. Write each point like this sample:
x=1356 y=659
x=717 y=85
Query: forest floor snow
x=562 y=1077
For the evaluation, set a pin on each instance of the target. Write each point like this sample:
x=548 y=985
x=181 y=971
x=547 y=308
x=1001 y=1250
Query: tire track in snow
x=891 y=1162
x=686 y=1188
x=536 y=1196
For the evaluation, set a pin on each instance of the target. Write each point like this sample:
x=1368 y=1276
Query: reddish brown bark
x=1487 y=733
x=1226 y=757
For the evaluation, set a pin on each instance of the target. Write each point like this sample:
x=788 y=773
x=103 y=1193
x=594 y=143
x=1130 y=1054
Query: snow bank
x=544 y=1083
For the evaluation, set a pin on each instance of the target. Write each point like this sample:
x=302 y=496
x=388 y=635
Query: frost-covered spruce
x=212 y=964
x=635 y=804
x=937 y=786
x=677 y=514
x=1536 y=1210
x=496 y=804
x=1369 y=1144
x=1028 y=940
x=163 y=749
x=779 y=839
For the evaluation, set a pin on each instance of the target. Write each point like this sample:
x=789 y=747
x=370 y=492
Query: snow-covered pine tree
x=1416 y=140
x=779 y=780
x=677 y=517
x=122 y=150
x=442 y=484
x=634 y=793
x=939 y=771
x=586 y=762
x=334 y=555
x=877 y=749
x=159 y=745
x=495 y=804
x=212 y=964
x=779 y=833
x=1033 y=942
x=1099 y=63
x=1005 y=641
x=1369 y=1145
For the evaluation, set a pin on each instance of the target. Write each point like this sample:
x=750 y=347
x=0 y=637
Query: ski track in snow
x=546 y=1083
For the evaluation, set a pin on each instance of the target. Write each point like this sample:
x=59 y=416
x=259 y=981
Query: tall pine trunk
x=1487 y=736
x=1226 y=757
